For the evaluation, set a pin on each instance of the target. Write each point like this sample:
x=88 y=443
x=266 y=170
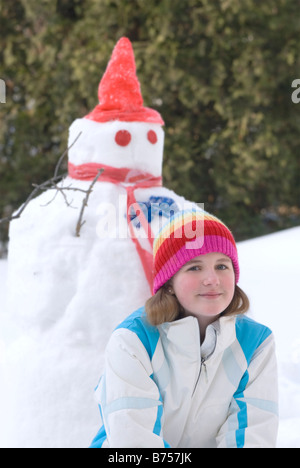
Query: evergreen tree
x=220 y=73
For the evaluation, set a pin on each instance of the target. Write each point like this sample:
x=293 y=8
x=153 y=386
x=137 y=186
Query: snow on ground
x=3 y=268
x=270 y=277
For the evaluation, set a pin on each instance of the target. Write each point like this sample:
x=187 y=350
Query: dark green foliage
x=219 y=72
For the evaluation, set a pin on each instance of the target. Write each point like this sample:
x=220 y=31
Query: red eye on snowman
x=123 y=137
x=152 y=137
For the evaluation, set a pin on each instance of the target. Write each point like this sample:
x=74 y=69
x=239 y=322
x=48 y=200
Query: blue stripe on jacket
x=250 y=336
x=149 y=336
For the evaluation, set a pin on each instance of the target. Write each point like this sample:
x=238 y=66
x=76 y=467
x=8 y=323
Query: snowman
x=67 y=292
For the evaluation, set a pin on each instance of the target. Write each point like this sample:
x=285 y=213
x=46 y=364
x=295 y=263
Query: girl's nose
x=211 y=279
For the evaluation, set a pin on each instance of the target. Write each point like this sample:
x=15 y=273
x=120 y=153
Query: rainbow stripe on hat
x=187 y=235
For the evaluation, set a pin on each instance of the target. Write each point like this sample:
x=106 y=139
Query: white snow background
x=270 y=277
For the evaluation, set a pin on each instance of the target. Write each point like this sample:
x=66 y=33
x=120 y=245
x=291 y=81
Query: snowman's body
x=66 y=294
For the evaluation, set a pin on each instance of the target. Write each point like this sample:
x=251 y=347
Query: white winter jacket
x=159 y=391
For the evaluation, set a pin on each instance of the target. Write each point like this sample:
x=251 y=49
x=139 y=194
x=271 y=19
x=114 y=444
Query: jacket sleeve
x=252 y=420
x=129 y=400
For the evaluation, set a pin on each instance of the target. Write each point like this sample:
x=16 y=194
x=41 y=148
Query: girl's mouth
x=211 y=295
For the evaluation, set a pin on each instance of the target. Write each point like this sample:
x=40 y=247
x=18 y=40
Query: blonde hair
x=165 y=307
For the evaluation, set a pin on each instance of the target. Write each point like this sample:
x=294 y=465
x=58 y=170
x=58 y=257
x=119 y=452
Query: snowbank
x=270 y=276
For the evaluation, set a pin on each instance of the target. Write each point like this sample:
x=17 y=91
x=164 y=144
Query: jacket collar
x=185 y=334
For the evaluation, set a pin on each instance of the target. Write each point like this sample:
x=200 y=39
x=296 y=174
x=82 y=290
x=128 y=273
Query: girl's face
x=205 y=285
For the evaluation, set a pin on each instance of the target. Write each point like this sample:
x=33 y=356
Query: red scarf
x=121 y=176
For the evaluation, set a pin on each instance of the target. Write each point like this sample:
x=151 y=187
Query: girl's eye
x=194 y=268
x=222 y=267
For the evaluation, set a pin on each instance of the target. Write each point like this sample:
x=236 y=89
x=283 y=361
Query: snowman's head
x=134 y=145
x=120 y=131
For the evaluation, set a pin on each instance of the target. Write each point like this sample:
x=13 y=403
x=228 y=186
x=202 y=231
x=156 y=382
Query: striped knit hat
x=187 y=235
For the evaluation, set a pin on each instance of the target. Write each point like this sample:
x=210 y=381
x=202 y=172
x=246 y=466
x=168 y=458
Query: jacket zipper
x=203 y=364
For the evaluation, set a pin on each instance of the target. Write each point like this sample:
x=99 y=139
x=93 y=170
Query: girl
x=189 y=369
